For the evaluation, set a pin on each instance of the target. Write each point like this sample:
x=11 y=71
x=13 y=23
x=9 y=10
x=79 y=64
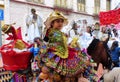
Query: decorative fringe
x=19 y=78
x=5 y=76
x=8 y=76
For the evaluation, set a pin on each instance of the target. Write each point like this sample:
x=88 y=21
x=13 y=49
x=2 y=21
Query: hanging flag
x=110 y=17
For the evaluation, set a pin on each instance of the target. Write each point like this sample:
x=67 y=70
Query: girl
x=63 y=60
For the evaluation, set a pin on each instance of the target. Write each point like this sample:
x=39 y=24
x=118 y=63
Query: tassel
x=20 y=79
x=24 y=79
x=16 y=78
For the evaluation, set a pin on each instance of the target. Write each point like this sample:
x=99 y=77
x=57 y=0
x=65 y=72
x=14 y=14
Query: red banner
x=110 y=17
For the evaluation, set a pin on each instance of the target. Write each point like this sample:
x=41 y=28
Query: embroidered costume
x=58 y=56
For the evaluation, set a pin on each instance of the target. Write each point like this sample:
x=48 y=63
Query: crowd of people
x=104 y=33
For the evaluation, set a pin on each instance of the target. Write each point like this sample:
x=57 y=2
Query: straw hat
x=6 y=28
x=53 y=16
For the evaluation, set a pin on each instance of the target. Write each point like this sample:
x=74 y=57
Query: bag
x=13 y=60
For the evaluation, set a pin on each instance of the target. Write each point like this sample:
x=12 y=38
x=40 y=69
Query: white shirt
x=33 y=28
x=85 y=40
x=96 y=33
x=72 y=35
x=103 y=36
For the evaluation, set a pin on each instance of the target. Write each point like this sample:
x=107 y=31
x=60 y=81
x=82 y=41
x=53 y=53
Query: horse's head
x=99 y=53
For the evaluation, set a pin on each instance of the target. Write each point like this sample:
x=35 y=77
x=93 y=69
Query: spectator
x=115 y=52
x=103 y=36
x=74 y=31
x=115 y=34
x=34 y=26
x=96 y=30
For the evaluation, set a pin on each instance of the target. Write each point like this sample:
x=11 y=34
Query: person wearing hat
x=61 y=58
x=34 y=26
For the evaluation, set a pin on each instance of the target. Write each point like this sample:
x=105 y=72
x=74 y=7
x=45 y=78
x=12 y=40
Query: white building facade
x=115 y=4
x=17 y=10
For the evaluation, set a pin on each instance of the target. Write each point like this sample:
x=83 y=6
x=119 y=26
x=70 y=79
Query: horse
x=99 y=52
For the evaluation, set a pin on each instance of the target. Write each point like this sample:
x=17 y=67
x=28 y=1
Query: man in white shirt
x=34 y=26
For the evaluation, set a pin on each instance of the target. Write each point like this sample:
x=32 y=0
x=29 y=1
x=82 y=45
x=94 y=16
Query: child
x=66 y=61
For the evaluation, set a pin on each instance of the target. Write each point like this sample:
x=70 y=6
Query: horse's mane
x=94 y=50
x=92 y=46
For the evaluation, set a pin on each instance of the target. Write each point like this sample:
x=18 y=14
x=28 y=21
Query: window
x=97 y=6
x=108 y=5
x=81 y=5
x=37 y=1
x=61 y=3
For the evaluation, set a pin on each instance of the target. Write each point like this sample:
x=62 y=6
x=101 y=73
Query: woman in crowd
x=74 y=30
x=73 y=33
x=115 y=53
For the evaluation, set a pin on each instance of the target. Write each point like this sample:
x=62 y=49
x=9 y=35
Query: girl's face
x=58 y=24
